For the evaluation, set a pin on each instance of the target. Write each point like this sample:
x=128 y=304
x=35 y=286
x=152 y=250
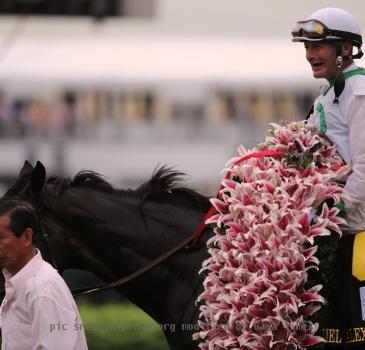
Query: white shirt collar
x=25 y=273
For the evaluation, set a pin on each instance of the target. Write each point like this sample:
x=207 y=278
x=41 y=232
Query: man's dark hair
x=22 y=215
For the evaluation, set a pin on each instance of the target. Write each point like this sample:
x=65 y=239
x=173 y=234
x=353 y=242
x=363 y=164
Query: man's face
x=13 y=250
x=322 y=58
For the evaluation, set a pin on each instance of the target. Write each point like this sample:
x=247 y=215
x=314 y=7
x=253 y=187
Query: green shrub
x=120 y=326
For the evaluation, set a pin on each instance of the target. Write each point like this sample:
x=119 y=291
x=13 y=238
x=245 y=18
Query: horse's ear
x=38 y=178
x=26 y=169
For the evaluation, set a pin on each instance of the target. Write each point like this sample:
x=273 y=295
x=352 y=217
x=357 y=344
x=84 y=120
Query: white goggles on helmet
x=313 y=30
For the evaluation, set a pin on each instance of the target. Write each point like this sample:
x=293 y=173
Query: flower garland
x=269 y=213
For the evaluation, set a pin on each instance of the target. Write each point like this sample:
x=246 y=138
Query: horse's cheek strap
x=358 y=257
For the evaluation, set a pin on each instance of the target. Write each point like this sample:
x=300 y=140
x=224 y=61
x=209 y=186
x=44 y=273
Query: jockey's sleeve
x=354 y=189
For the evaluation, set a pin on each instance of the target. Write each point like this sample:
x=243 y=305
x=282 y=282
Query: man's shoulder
x=47 y=282
x=356 y=84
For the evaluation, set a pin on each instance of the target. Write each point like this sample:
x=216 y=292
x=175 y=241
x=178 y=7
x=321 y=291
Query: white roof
x=114 y=62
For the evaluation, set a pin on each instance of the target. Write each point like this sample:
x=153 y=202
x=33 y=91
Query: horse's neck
x=167 y=290
x=168 y=294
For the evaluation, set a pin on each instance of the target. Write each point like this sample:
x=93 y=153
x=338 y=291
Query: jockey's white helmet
x=328 y=24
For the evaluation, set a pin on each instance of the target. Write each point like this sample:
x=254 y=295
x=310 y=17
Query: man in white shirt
x=330 y=36
x=38 y=311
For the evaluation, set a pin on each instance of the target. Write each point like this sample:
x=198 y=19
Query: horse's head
x=50 y=236
x=29 y=184
x=85 y=223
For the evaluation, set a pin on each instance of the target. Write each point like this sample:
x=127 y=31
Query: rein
x=88 y=290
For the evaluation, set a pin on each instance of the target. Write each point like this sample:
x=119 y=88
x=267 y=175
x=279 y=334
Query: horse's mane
x=163 y=179
x=83 y=179
x=164 y=182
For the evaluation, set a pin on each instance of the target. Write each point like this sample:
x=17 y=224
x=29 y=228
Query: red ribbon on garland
x=212 y=210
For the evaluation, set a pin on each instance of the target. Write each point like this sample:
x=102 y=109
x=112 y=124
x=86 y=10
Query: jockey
x=330 y=36
x=332 y=40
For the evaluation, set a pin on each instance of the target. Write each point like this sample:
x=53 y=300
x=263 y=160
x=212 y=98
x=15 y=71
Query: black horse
x=112 y=233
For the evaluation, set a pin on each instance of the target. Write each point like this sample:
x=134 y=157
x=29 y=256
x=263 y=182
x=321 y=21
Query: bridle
x=44 y=238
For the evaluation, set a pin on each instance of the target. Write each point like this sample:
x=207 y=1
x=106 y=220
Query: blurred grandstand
x=121 y=86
